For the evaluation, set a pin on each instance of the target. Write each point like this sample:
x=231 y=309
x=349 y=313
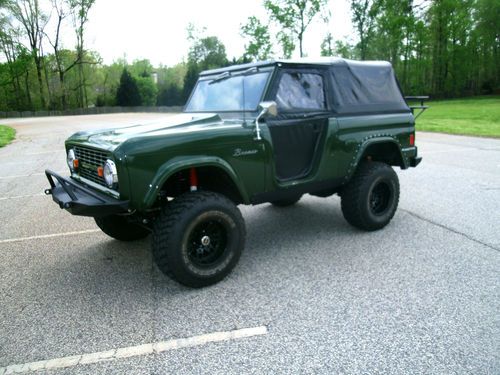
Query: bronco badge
x=240 y=152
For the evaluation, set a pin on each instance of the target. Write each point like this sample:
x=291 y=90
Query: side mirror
x=270 y=108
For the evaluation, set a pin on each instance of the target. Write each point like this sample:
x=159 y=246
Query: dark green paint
x=147 y=155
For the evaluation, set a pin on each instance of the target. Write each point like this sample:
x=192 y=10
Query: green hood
x=110 y=139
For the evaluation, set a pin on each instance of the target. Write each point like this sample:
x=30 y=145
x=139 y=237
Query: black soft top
x=323 y=61
x=357 y=86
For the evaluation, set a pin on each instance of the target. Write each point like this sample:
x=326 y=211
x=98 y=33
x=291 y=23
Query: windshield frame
x=269 y=69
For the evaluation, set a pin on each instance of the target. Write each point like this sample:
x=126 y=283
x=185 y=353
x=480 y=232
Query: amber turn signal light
x=75 y=163
x=100 y=171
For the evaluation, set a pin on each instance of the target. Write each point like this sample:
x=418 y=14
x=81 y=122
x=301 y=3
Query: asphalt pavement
x=421 y=296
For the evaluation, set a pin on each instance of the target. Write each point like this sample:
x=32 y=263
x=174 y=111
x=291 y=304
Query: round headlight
x=71 y=159
x=110 y=174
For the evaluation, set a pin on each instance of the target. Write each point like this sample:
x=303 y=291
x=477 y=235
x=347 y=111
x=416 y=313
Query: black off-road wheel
x=370 y=199
x=287 y=201
x=198 y=238
x=120 y=228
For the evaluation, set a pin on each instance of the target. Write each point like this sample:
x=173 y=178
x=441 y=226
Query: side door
x=298 y=132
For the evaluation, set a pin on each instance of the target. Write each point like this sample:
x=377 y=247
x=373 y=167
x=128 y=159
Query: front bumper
x=80 y=200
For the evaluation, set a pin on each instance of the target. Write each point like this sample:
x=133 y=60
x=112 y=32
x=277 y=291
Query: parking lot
x=310 y=295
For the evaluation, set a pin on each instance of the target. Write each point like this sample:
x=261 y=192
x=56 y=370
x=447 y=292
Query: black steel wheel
x=120 y=228
x=207 y=242
x=380 y=197
x=198 y=238
x=370 y=199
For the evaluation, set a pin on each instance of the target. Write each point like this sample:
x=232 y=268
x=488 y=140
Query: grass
x=7 y=134
x=479 y=116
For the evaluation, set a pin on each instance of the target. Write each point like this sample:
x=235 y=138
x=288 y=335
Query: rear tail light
x=412 y=139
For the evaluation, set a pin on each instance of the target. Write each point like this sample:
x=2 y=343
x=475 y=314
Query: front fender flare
x=179 y=163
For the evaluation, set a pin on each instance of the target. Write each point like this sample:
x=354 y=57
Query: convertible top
x=307 y=61
x=356 y=86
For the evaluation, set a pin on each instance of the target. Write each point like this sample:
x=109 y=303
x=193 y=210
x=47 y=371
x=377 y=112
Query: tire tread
x=351 y=196
x=170 y=215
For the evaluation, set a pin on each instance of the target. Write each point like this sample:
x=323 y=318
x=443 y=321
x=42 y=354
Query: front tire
x=198 y=238
x=120 y=228
x=370 y=199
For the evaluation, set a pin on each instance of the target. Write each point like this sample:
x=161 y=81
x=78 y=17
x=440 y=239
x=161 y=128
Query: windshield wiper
x=220 y=77
x=253 y=69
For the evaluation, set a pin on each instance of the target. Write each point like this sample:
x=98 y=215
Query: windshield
x=237 y=93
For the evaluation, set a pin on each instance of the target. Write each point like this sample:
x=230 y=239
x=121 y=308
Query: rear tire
x=120 y=228
x=198 y=238
x=286 y=202
x=370 y=199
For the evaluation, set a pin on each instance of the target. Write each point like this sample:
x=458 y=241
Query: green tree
x=190 y=79
x=141 y=68
x=128 y=94
x=170 y=84
x=486 y=43
x=61 y=10
x=16 y=69
x=364 y=14
x=208 y=52
x=205 y=53
x=170 y=95
x=344 y=49
x=258 y=40
x=33 y=21
x=327 y=45
x=393 y=37
x=147 y=90
x=293 y=17
x=80 y=12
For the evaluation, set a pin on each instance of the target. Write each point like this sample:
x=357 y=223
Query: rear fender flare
x=363 y=146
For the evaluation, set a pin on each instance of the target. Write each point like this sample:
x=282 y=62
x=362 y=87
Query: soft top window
x=366 y=88
x=300 y=91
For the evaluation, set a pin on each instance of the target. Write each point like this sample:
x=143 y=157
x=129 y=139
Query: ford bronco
x=249 y=134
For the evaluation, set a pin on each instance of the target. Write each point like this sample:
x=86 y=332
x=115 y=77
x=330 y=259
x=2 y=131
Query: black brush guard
x=80 y=200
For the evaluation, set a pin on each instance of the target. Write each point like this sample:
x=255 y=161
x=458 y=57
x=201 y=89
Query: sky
x=156 y=29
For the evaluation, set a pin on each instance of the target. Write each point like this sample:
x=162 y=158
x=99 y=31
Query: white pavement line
x=22 y=196
x=48 y=236
x=46 y=152
x=133 y=351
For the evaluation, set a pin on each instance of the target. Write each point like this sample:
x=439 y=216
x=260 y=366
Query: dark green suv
x=249 y=134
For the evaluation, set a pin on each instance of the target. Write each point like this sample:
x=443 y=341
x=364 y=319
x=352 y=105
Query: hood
x=110 y=139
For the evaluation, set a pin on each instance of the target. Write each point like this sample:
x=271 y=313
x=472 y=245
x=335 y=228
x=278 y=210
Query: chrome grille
x=89 y=159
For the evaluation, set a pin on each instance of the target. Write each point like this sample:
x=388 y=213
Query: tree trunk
x=47 y=82
x=64 y=103
x=28 y=94
x=40 y=81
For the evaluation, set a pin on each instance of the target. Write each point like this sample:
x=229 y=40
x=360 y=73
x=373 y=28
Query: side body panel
x=356 y=133
x=151 y=160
